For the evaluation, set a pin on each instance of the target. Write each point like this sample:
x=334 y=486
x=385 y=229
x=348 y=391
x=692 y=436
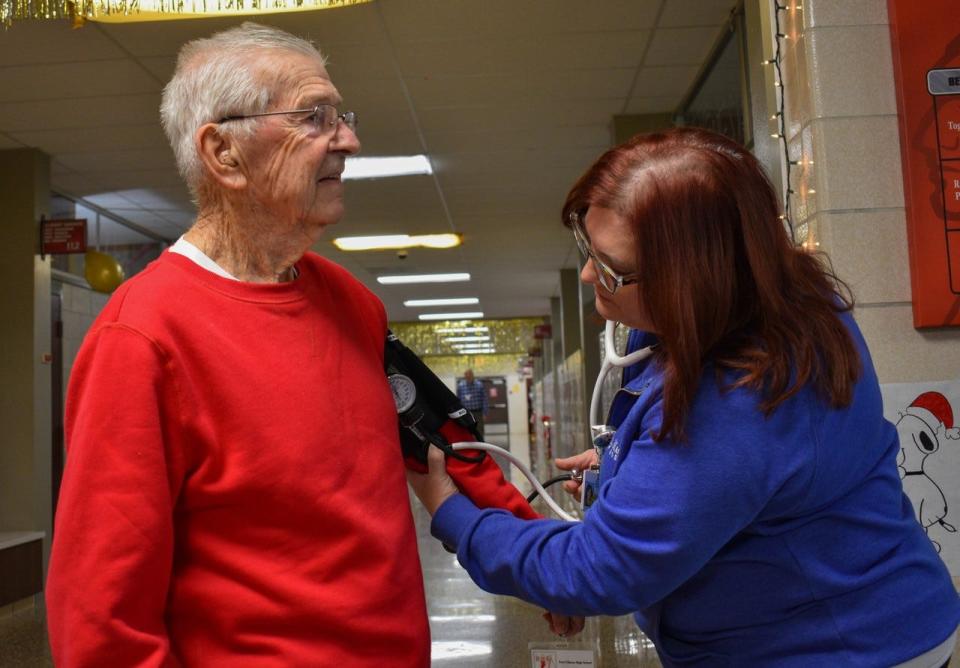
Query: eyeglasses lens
x=350 y=120
x=603 y=274
x=327 y=117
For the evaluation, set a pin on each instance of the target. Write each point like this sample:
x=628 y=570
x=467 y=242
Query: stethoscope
x=599 y=431
x=611 y=359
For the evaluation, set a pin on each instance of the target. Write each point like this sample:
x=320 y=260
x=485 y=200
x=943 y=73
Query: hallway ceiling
x=510 y=99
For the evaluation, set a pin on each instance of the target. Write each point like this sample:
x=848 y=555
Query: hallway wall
x=842 y=126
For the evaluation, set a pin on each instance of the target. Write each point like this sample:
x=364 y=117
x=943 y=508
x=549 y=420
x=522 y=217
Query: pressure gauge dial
x=404 y=391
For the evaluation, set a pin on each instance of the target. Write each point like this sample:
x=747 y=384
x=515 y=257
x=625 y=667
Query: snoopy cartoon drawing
x=922 y=428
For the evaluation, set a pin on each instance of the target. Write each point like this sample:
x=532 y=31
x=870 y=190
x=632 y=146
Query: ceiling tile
x=585 y=50
x=183 y=218
x=109 y=201
x=84 y=112
x=109 y=181
x=533 y=113
x=640 y=104
x=373 y=143
x=112 y=161
x=140 y=217
x=161 y=67
x=684 y=13
x=515 y=88
x=406 y=201
x=73 y=183
x=681 y=46
x=532 y=139
x=165 y=199
x=413 y=21
x=665 y=81
x=364 y=63
x=67 y=81
x=163 y=39
x=352 y=25
x=358 y=24
x=7 y=141
x=57 y=142
x=35 y=42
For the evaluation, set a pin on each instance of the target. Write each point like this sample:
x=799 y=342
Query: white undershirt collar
x=188 y=250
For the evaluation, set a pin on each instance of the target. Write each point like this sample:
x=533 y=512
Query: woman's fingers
x=584 y=460
x=564 y=625
x=581 y=462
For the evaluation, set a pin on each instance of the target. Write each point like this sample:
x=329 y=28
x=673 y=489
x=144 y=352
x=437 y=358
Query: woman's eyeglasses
x=608 y=278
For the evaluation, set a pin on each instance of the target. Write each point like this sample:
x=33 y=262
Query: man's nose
x=345 y=140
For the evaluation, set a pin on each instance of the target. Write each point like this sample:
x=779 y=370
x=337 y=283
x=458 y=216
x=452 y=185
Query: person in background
x=473 y=396
x=234 y=490
x=750 y=511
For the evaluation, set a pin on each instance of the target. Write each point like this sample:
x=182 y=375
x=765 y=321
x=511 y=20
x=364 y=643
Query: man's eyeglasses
x=324 y=117
x=608 y=278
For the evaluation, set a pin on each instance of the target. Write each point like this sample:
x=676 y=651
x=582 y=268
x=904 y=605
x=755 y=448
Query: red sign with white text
x=63 y=236
x=926 y=63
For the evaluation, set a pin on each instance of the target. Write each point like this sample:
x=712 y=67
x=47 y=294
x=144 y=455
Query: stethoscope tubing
x=610 y=360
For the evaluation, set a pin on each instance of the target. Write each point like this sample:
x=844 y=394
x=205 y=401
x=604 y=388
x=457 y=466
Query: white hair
x=221 y=76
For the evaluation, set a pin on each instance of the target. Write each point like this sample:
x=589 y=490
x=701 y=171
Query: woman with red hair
x=750 y=512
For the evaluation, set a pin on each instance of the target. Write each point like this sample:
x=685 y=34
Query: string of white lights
x=780 y=117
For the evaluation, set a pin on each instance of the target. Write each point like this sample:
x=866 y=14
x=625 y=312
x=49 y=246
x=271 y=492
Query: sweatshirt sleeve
x=656 y=523
x=112 y=554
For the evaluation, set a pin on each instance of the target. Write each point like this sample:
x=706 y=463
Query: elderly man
x=234 y=492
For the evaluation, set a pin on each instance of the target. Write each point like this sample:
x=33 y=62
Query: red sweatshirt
x=234 y=491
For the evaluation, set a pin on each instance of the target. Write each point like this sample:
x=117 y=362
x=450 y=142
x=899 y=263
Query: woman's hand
x=581 y=462
x=563 y=625
x=434 y=487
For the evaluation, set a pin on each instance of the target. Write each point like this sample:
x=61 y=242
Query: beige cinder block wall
x=842 y=128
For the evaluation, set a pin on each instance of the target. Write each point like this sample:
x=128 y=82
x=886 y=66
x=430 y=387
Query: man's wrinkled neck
x=247 y=244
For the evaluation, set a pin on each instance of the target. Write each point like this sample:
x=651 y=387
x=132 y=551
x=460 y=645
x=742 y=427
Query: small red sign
x=66 y=235
x=542 y=331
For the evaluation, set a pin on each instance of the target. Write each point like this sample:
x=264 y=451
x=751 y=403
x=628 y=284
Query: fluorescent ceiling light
x=453 y=301
x=460 y=330
x=476 y=351
x=471 y=315
x=450 y=339
x=394 y=241
x=379 y=167
x=422 y=278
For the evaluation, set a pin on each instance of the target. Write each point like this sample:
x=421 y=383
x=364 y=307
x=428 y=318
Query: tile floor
x=470 y=628
x=473 y=629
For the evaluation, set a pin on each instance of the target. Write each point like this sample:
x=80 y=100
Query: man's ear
x=219 y=156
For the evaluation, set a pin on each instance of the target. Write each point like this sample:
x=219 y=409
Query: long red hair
x=721 y=280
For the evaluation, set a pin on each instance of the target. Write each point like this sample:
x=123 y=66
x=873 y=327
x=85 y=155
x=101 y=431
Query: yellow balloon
x=103 y=272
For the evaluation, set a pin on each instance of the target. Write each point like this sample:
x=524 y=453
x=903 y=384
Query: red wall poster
x=926 y=61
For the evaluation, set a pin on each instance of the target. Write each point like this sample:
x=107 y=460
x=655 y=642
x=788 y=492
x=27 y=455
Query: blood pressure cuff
x=483 y=482
x=429 y=413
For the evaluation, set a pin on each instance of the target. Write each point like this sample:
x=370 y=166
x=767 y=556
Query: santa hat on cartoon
x=934 y=409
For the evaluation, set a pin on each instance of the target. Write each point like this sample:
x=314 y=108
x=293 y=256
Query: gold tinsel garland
x=512 y=337
x=152 y=10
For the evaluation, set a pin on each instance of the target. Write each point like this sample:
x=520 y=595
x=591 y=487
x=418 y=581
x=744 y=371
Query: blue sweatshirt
x=762 y=541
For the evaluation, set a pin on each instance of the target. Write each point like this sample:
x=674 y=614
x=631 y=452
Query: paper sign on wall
x=562 y=658
x=926 y=416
